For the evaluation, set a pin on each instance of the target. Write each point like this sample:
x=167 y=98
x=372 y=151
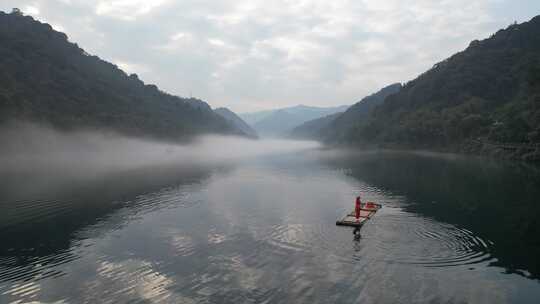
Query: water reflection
x=38 y=234
x=357 y=236
x=261 y=231
x=497 y=200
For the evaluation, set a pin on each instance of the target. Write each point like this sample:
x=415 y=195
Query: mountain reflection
x=263 y=230
x=496 y=200
x=39 y=225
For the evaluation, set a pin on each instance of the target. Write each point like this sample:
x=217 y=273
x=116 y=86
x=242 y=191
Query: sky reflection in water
x=263 y=230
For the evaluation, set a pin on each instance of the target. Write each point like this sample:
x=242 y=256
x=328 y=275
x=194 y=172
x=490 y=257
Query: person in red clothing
x=357 y=207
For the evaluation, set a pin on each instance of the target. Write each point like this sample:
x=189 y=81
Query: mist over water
x=99 y=217
x=30 y=147
x=52 y=159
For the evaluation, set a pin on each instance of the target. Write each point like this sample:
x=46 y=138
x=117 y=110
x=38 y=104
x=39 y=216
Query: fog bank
x=38 y=162
x=28 y=147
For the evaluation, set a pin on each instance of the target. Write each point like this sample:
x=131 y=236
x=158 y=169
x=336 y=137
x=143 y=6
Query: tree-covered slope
x=356 y=115
x=489 y=91
x=236 y=121
x=45 y=78
x=335 y=127
x=312 y=129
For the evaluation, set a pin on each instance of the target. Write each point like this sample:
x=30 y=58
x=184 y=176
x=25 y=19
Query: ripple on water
x=409 y=239
x=22 y=263
x=392 y=236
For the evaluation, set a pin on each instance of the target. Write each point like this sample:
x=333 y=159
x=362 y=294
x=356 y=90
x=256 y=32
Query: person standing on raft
x=357 y=208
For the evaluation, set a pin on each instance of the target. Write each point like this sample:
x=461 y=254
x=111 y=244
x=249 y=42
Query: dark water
x=452 y=230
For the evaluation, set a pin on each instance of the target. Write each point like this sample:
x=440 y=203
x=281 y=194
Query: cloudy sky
x=257 y=54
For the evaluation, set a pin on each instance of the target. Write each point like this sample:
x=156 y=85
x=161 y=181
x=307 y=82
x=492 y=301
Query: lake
x=260 y=228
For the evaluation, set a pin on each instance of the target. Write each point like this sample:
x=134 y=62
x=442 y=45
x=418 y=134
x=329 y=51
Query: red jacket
x=357 y=207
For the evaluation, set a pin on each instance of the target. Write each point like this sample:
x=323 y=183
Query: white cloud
x=131 y=67
x=58 y=27
x=31 y=10
x=216 y=42
x=253 y=54
x=178 y=36
x=127 y=9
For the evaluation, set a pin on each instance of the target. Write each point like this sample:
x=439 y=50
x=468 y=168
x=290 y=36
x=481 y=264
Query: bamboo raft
x=366 y=212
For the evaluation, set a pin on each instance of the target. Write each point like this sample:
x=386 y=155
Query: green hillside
x=44 y=78
x=488 y=92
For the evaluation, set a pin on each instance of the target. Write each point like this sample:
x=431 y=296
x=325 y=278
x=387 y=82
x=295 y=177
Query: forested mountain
x=277 y=123
x=334 y=128
x=236 y=121
x=252 y=118
x=312 y=129
x=45 y=78
x=357 y=114
x=281 y=121
x=488 y=92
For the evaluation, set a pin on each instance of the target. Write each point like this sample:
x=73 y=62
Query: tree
x=16 y=11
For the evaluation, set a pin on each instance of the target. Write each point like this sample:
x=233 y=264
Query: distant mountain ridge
x=333 y=128
x=312 y=129
x=46 y=78
x=236 y=121
x=280 y=122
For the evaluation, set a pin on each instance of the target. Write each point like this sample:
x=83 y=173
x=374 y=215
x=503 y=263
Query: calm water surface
x=262 y=230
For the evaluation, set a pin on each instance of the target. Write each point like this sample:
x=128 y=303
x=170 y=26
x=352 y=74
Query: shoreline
x=504 y=151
